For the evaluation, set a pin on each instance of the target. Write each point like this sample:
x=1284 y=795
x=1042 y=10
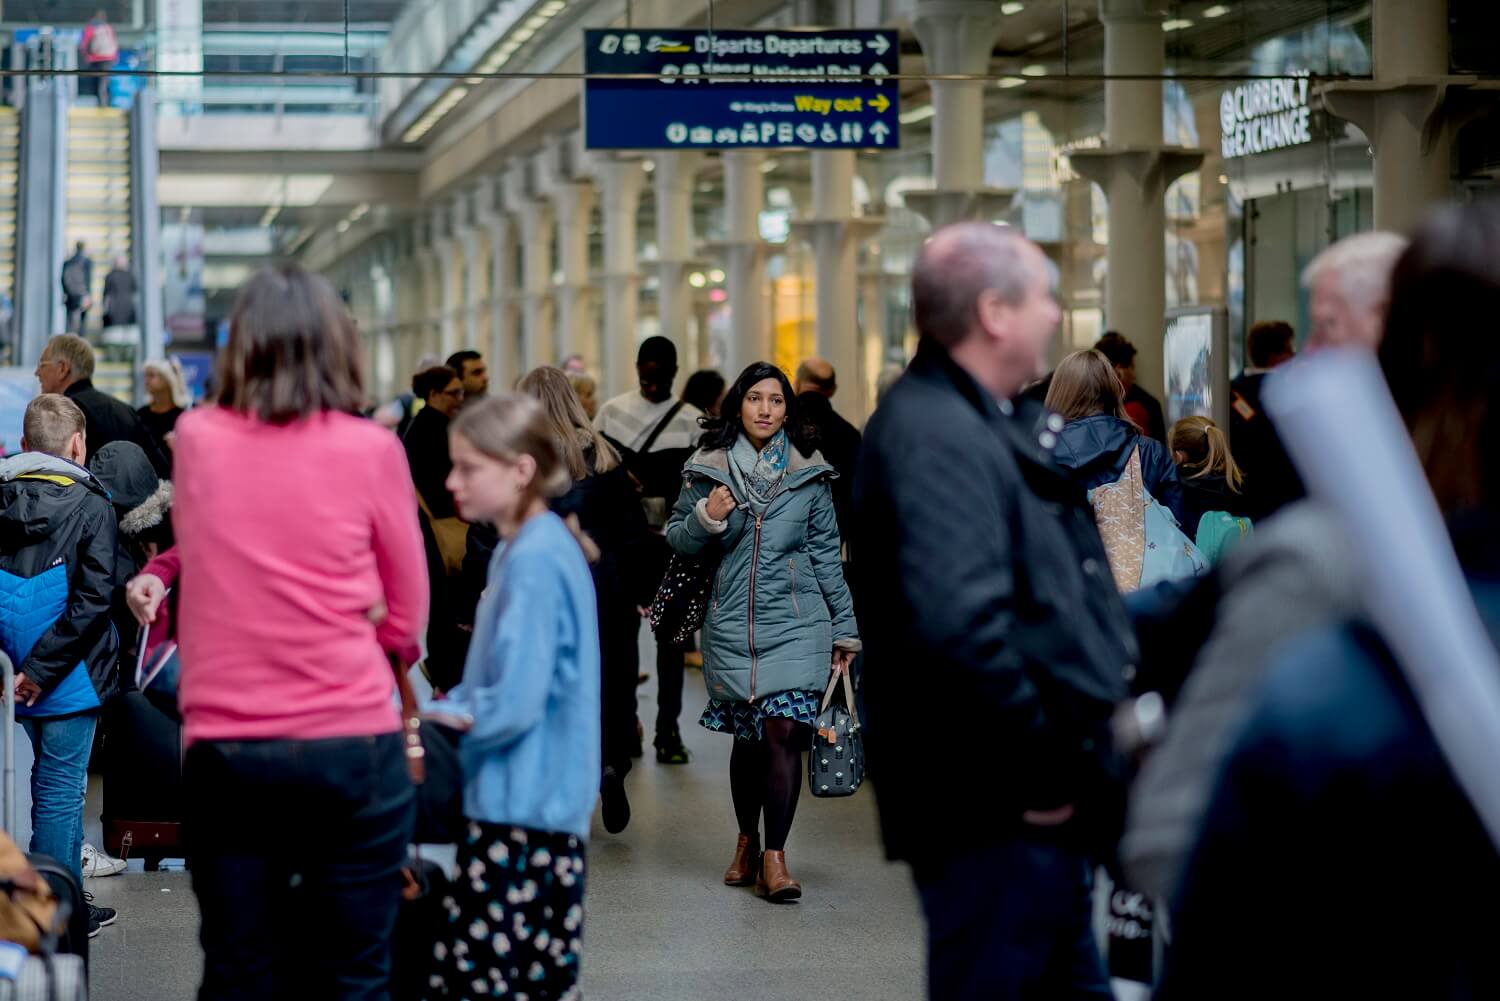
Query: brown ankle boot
x=775 y=883
x=746 y=865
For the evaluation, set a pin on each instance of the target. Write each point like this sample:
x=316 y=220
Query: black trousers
x=670 y=668
x=296 y=850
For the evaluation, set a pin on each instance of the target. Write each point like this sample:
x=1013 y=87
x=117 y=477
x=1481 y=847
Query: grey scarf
x=757 y=475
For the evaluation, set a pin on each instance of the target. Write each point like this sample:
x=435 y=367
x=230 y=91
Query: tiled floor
x=661 y=926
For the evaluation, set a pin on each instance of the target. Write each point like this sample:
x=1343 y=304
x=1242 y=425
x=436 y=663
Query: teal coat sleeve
x=826 y=550
x=685 y=534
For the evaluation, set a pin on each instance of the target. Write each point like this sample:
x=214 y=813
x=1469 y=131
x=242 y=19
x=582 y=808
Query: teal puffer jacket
x=779 y=604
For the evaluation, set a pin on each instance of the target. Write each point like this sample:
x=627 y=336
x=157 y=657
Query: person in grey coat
x=780 y=618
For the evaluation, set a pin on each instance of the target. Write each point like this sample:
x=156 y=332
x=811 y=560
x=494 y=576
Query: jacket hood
x=1096 y=444
x=53 y=489
x=714 y=463
x=122 y=468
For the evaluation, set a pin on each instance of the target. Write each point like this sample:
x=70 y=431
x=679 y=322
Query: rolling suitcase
x=61 y=973
x=142 y=780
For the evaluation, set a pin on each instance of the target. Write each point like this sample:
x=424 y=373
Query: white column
x=621 y=182
x=471 y=239
x=535 y=219
x=749 y=324
x=676 y=178
x=502 y=348
x=573 y=205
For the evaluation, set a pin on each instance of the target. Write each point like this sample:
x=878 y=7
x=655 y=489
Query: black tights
x=766 y=775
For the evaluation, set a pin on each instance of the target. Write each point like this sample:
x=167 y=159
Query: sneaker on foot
x=99 y=916
x=670 y=749
x=98 y=863
x=616 y=804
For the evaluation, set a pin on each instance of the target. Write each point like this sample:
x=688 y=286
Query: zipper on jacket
x=795 y=607
x=754 y=563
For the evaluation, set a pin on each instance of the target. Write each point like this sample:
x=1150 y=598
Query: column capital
x=1153 y=169
x=957 y=36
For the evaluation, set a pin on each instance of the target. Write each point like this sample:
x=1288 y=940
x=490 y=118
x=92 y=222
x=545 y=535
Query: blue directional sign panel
x=741 y=89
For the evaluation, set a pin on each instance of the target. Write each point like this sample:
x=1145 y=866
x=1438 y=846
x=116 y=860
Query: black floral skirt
x=515 y=916
x=747 y=720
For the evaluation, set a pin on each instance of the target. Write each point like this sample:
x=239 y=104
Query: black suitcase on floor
x=420 y=925
x=142 y=781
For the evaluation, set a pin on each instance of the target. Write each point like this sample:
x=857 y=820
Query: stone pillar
x=957 y=37
x=1408 y=112
x=745 y=259
x=471 y=239
x=676 y=178
x=535 y=219
x=1135 y=168
x=496 y=339
x=835 y=234
x=621 y=182
x=573 y=206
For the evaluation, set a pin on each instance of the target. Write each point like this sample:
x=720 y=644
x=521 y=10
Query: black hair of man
x=1270 y=341
x=659 y=350
x=459 y=359
x=1117 y=348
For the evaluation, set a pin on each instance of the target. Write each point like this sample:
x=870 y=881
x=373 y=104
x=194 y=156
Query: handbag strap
x=411 y=723
x=661 y=426
x=833 y=683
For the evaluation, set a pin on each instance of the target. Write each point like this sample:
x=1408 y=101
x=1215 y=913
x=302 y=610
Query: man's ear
x=77 y=447
x=24 y=447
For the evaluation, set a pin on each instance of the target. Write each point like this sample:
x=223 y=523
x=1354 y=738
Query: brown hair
x=50 y=423
x=509 y=425
x=1085 y=385
x=293 y=351
x=1267 y=340
x=432 y=380
x=1207 y=450
x=571 y=429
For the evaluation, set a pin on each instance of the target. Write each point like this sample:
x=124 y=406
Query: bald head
x=816 y=376
x=959 y=263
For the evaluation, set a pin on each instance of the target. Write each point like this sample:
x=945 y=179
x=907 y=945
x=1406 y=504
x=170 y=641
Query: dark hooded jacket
x=1096 y=451
x=57 y=568
x=142 y=504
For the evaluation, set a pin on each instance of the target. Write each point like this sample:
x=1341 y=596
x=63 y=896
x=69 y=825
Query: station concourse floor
x=661 y=926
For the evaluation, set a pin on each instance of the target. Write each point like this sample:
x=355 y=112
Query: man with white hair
x=1296 y=573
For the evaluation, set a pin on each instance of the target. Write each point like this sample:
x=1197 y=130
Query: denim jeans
x=296 y=850
x=1012 y=921
x=59 y=783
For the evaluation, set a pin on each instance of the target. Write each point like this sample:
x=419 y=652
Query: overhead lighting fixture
x=360 y=211
x=648 y=165
x=1176 y=24
x=697 y=279
x=343 y=226
x=769 y=166
x=1012 y=7
x=555 y=7
x=1007 y=82
x=915 y=115
x=1223 y=178
x=1035 y=69
x=1217 y=10
x=1037 y=37
x=716 y=275
x=271 y=213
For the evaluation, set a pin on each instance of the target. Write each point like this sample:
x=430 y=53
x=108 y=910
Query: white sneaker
x=98 y=863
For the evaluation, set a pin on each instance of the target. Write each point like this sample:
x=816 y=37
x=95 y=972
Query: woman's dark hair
x=1442 y=367
x=723 y=431
x=293 y=351
x=704 y=390
x=432 y=380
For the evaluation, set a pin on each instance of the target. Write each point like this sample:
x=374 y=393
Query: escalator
x=99 y=214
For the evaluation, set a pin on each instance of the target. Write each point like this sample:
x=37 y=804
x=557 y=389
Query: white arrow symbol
x=877 y=71
x=880 y=130
x=880 y=45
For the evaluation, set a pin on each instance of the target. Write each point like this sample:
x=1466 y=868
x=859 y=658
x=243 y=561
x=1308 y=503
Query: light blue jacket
x=532 y=686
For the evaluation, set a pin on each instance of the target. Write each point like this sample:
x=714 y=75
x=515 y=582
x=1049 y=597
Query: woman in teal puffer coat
x=780 y=618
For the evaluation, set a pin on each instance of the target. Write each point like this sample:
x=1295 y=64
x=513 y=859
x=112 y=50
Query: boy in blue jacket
x=57 y=564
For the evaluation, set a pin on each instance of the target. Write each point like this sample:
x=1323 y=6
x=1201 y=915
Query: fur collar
x=150 y=513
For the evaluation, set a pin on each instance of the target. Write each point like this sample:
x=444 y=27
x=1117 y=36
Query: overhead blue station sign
x=741 y=89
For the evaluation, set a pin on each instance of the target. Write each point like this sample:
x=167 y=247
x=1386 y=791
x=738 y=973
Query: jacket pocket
x=792 y=564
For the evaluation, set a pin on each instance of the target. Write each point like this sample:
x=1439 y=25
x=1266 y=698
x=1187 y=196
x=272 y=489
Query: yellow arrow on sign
x=880 y=102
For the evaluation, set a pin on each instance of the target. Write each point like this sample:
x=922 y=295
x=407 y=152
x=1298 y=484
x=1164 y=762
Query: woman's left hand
x=841 y=661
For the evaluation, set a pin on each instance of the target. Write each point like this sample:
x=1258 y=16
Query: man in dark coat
x=1271 y=481
x=119 y=295
x=1142 y=407
x=67 y=367
x=996 y=645
x=838 y=440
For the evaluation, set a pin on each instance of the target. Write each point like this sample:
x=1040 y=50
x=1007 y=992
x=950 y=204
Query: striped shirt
x=630 y=419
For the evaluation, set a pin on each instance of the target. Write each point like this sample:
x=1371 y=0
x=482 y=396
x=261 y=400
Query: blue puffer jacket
x=780 y=604
x=57 y=565
x=1096 y=450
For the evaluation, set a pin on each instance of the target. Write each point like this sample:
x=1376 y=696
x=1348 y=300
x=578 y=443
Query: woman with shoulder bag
x=779 y=612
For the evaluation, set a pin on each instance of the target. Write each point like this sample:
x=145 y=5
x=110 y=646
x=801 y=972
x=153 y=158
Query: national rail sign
x=741 y=89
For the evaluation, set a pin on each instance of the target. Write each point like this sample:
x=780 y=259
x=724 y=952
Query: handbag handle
x=833 y=683
x=411 y=723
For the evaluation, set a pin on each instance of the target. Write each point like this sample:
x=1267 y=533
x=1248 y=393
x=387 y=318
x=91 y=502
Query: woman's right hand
x=720 y=503
x=144 y=596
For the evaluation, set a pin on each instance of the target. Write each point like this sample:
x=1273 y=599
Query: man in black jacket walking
x=67 y=367
x=838 y=440
x=994 y=636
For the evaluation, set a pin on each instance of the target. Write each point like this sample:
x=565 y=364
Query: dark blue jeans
x=296 y=850
x=59 y=783
x=1012 y=921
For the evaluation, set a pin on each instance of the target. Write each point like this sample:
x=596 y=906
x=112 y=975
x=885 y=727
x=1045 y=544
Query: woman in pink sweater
x=302 y=573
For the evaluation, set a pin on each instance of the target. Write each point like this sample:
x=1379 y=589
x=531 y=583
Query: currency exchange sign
x=741 y=89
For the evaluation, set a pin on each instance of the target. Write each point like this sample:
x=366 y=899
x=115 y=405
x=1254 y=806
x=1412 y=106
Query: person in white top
x=655 y=435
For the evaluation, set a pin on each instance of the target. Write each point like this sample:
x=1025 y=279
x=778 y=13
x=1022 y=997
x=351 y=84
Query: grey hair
x=1362 y=264
x=957 y=264
x=75 y=351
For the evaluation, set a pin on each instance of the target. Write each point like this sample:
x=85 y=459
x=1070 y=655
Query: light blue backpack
x=1145 y=543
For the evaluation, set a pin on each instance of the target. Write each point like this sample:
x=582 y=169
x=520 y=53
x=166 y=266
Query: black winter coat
x=992 y=627
x=839 y=442
x=1270 y=478
x=1202 y=494
x=107 y=419
x=426 y=444
x=1096 y=450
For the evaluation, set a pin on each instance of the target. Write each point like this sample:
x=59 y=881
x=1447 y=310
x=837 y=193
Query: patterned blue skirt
x=747 y=721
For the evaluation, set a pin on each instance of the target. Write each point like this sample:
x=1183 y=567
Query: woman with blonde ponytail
x=530 y=699
x=1211 y=479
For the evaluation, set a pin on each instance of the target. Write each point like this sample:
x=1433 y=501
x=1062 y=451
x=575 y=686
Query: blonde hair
x=50 y=423
x=170 y=369
x=509 y=425
x=1086 y=385
x=1207 y=450
x=570 y=423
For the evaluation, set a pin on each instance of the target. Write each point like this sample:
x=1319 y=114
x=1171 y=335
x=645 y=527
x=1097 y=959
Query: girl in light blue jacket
x=531 y=688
